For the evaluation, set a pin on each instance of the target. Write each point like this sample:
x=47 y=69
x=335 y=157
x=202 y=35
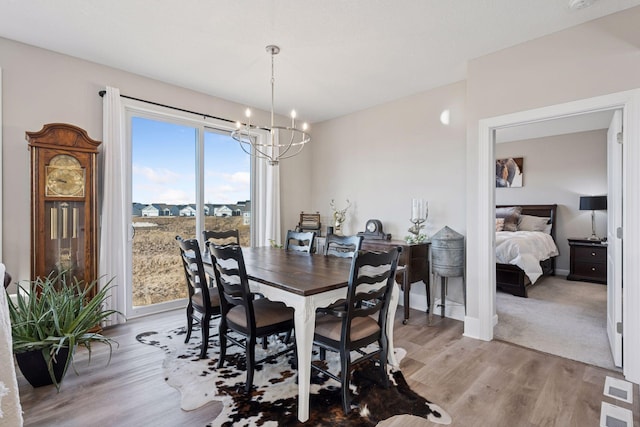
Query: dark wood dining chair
x=204 y=301
x=224 y=237
x=301 y=241
x=242 y=313
x=342 y=246
x=361 y=321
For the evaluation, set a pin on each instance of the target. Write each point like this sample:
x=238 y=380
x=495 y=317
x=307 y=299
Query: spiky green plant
x=58 y=315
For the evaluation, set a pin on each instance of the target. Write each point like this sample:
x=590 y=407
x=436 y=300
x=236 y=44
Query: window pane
x=227 y=185
x=163 y=194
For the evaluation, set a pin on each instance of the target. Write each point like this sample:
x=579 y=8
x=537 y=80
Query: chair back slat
x=225 y=237
x=231 y=278
x=342 y=246
x=193 y=267
x=370 y=283
x=301 y=241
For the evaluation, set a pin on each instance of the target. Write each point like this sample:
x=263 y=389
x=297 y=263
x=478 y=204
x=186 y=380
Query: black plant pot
x=34 y=367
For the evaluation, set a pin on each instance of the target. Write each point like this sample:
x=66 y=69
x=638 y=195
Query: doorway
x=563 y=160
x=481 y=315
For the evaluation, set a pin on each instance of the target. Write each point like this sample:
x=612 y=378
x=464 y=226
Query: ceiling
x=338 y=56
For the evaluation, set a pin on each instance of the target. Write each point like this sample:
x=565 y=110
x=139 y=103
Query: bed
x=512 y=278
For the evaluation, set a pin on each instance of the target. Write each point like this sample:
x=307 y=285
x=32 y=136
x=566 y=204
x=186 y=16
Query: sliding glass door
x=185 y=178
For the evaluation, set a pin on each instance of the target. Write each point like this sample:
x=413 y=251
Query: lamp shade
x=593 y=203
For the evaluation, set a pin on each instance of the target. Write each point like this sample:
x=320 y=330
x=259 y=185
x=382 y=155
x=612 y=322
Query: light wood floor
x=479 y=383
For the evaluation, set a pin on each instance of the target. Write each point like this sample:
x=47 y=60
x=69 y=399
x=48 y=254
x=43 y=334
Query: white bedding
x=525 y=249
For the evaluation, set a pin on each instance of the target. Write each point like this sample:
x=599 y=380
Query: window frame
x=135 y=108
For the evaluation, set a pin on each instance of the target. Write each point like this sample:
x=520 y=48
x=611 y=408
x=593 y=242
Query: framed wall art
x=509 y=172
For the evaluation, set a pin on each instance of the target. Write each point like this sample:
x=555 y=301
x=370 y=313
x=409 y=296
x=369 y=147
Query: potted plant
x=50 y=319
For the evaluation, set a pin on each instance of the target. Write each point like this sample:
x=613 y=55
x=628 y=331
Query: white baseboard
x=452 y=309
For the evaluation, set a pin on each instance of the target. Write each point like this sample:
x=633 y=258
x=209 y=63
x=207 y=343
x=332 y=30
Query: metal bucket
x=447 y=253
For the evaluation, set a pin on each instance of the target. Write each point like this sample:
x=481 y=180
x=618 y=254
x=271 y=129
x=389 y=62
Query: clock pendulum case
x=63 y=202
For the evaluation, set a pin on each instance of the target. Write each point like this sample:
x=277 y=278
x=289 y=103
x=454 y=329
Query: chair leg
x=383 y=361
x=204 y=326
x=323 y=353
x=264 y=343
x=345 y=376
x=189 y=323
x=251 y=362
x=223 y=343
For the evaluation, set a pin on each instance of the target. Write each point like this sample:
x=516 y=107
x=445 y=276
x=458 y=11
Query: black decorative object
x=593 y=204
x=373 y=230
x=34 y=366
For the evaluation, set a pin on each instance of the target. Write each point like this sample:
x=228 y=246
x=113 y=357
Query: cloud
x=159 y=175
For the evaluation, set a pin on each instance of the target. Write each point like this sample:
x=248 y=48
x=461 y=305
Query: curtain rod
x=103 y=92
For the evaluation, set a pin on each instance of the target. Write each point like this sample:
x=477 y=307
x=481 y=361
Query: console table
x=588 y=260
x=415 y=258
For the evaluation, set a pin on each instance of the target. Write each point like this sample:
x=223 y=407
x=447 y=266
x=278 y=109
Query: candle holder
x=417 y=226
x=419 y=214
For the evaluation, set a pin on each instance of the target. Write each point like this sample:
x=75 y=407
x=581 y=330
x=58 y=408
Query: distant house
x=137 y=209
x=188 y=210
x=223 y=210
x=167 y=210
x=162 y=209
x=150 y=210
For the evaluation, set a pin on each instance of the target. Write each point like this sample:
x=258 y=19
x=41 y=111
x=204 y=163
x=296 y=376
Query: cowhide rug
x=274 y=398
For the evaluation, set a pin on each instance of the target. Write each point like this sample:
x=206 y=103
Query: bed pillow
x=533 y=223
x=499 y=224
x=511 y=217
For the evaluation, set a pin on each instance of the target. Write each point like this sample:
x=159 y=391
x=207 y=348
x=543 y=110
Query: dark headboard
x=539 y=210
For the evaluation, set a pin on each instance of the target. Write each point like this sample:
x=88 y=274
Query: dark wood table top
x=296 y=272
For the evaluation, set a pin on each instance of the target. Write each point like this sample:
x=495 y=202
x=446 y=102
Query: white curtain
x=10 y=408
x=268 y=203
x=114 y=218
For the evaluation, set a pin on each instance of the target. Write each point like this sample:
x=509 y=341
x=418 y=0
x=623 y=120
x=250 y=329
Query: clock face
x=64 y=177
x=373 y=226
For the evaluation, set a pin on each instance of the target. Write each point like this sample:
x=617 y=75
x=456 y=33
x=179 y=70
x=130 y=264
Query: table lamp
x=593 y=204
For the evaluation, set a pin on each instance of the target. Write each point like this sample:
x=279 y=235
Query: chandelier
x=283 y=141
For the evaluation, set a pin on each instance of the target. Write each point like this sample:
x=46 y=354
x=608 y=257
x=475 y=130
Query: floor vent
x=615 y=416
x=618 y=389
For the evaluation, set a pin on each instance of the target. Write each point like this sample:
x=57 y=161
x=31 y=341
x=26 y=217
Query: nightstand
x=588 y=260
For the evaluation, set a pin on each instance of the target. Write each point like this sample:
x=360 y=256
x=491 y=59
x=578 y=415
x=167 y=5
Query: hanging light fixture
x=283 y=141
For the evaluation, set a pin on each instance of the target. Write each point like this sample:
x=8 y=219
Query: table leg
x=443 y=294
x=406 y=288
x=305 y=319
x=391 y=313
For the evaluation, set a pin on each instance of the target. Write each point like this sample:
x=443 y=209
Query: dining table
x=305 y=282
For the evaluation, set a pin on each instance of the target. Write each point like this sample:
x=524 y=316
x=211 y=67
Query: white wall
x=560 y=169
x=596 y=58
x=383 y=157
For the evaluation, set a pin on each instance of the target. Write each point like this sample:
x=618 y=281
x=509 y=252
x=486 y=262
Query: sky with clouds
x=164 y=164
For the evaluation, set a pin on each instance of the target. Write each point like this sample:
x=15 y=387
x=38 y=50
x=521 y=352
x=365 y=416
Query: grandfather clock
x=63 y=202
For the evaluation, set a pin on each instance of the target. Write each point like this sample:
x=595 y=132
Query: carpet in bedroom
x=560 y=317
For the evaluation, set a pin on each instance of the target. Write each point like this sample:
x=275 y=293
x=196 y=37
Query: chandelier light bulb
x=305 y=126
x=247 y=112
x=293 y=114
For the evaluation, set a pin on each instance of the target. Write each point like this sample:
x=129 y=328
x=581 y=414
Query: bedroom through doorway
x=560 y=160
